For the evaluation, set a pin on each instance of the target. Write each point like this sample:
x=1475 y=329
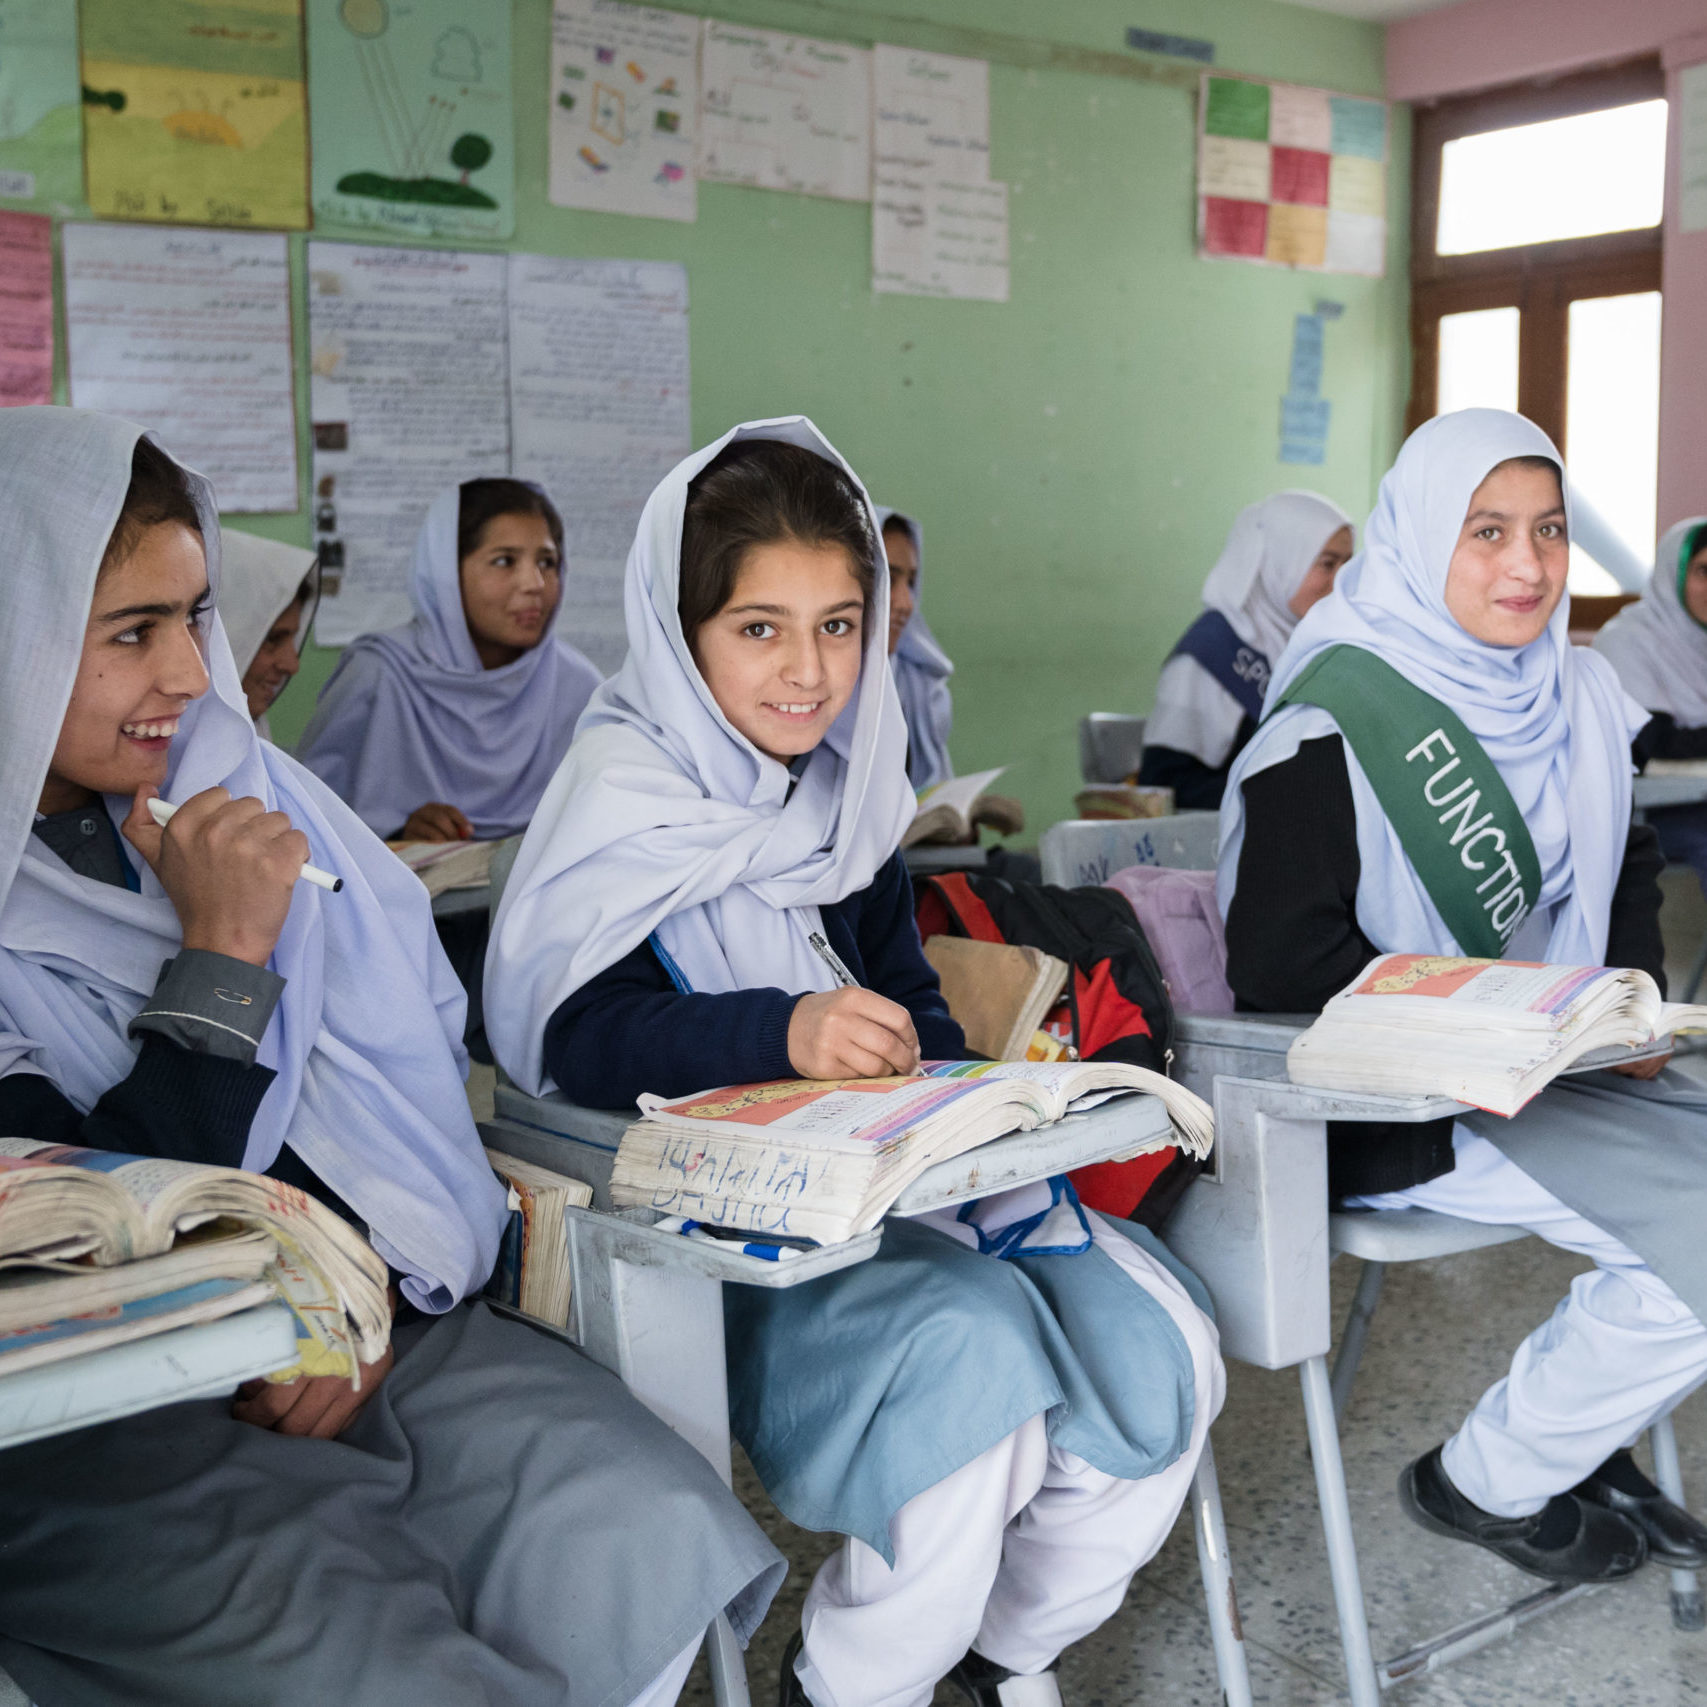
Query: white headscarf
x=1658 y=649
x=259 y=581
x=1551 y=716
x=663 y=817
x=1261 y=567
x=366 y=1041
x=411 y=715
x=921 y=669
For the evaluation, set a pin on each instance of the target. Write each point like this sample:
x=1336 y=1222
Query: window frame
x=1540 y=280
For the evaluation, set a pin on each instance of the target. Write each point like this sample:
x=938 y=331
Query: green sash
x=1452 y=812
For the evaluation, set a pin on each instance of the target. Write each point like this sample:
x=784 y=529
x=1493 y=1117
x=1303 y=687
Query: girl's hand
x=227 y=866
x=318 y=1406
x=851 y=1034
x=435 y=822
x=1644 y=1069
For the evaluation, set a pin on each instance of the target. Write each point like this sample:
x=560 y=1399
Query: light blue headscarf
x=366 y=1041
x=921 y=669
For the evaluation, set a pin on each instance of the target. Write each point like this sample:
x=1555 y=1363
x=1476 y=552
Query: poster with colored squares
x=1291 y=177
x=624 y=109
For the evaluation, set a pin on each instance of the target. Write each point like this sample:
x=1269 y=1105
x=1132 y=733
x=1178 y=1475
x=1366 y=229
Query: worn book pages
x=443 y=866
x=998 y=992
x=949 y=811
x=533 y=1270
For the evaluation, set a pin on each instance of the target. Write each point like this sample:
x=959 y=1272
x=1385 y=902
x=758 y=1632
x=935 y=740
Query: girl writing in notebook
x=451 y=726
x=1658 y=646
x=1280 y=558
x=489 y=1517
x=1441 y=772
x=920 y=666
x=710 y=893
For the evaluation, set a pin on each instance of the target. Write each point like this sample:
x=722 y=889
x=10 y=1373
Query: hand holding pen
x=849 y=1033
x=227 y=866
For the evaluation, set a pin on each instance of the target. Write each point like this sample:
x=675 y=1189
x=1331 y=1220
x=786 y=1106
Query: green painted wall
x=1074 y=454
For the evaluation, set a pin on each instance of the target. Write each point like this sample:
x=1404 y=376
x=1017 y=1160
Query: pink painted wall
x=1481 y=44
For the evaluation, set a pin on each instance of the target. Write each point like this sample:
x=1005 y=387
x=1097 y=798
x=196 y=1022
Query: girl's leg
x=1620 y=1350
x=1068 y=1557
x=876 y=1636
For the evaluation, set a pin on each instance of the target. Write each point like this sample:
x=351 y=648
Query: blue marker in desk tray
x=747 y=1247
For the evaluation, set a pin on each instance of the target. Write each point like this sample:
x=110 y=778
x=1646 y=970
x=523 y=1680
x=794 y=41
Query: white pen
x=833 y=960
x=163 y=813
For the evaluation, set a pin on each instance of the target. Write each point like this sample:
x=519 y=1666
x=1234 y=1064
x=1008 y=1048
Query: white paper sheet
x=599 y=409
x=408 y=393
x=624 y=105
x=188 y=332
x=784 y=112
x=932 y=113
x=935 y=237
x=1692 y=149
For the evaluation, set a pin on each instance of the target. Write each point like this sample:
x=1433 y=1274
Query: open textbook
x=1490 y=1033
x=823 y=1160
x=443 y=866
x=103 y=1244
x=950 y=811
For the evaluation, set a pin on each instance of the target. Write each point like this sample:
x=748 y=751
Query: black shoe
x=1674 y=1537
x=980 y=1681
x=1567 y=1541
x=789 y=1690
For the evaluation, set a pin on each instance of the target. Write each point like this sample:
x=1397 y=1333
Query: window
x=1535 y=284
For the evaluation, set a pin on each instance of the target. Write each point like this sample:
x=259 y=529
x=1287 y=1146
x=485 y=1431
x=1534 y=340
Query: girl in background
x=921 y=667
x=450 y=727
x=1280 y=558
x=267 y=591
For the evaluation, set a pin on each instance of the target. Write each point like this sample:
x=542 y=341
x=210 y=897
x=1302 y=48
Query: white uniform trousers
x=667 y=1685
x=1620 y=1350
x=1018 y=1554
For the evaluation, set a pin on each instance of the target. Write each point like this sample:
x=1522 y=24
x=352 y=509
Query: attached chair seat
x=1410 y=1235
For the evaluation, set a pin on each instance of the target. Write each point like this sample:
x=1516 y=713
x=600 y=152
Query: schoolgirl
x=1441 y=772
x=451 y=726
x=1280 y=558
x=920 y=666
x=490 y=1517
x=1658 y=646
x=1003 y=1442
x=265 y=604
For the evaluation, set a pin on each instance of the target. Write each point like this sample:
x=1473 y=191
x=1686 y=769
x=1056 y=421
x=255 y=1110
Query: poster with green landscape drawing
x=414 y=122
x=193 y=111
x=41 y=138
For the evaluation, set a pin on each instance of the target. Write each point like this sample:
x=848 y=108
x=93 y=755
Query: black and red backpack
x=1116 y=1006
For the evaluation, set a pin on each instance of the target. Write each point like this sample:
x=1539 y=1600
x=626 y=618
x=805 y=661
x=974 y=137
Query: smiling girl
x=1442 y=772
x=1002 y=1442
x=486 y=1516
x=451 y=726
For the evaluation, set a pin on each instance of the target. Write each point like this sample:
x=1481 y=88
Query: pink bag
x=1178 y=913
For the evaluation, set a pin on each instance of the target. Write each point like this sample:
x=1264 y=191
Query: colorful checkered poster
x=1290 y=176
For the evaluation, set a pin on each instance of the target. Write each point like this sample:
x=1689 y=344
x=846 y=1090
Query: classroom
x=609 y=1096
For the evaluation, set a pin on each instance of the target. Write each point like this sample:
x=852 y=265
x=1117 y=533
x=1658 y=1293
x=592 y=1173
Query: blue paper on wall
x=1304 y=412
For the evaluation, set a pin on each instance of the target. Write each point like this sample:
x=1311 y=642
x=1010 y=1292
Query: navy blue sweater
x=631 y=1030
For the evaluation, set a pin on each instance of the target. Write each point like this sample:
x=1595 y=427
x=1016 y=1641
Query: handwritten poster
x=26 y=309
x=413 y=120
x=193 y=110
x=784 y=112
x=624 y=108
x=188 y=332
x=939 y=222
x=599 y=414
x=1291 y=176
x=41 y=132
x=407 y=394
x=934 y=237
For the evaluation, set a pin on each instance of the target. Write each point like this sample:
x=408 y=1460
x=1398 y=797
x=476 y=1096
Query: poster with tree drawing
x=413 y=117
